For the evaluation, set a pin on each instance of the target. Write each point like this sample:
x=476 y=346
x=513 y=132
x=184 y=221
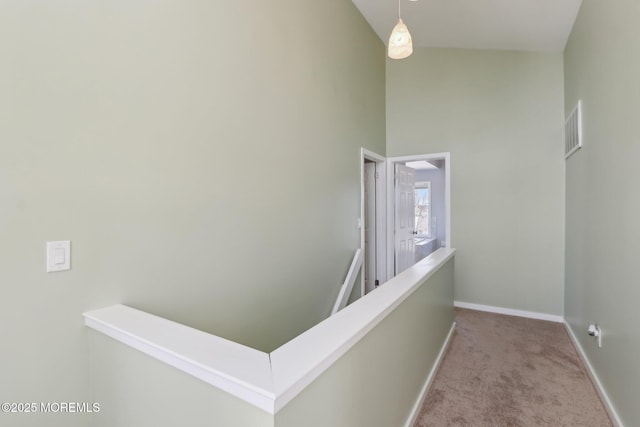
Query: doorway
x=378 y=212
x=431 y=209
x=373 y=222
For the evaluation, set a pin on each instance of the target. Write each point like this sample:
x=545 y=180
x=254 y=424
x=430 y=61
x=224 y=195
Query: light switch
x=58 y=256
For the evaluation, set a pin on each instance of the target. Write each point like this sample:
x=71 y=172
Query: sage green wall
x=500 y=114
x=202 y=157
x=602 y=65
x=134 y=389
x=376 y=383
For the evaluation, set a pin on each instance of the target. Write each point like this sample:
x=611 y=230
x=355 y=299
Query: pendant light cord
x=399 y=15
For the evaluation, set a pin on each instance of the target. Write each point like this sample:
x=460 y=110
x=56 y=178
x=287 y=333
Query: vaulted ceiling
x=529 y=25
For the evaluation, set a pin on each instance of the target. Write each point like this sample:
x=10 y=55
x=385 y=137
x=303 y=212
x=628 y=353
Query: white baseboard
x=510 y=311
x=415 y=411
x=608 y=406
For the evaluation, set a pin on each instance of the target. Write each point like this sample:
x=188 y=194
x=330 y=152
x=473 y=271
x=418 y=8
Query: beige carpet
x=509 y=371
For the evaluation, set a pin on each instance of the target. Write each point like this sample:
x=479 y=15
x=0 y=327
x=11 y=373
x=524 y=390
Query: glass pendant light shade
x=400 y=44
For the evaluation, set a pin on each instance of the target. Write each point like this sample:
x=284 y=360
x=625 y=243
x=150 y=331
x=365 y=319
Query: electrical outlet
x=599 y=336
x=594 y=331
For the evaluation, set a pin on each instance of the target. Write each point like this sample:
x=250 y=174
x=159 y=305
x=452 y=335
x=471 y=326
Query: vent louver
x=573 y=131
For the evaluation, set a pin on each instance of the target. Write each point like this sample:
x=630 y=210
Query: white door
x=405 y=249
x=370 y=264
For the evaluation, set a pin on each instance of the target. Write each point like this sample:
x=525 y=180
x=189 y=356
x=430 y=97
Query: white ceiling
x=529 y=25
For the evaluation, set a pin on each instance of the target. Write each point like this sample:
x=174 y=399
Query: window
x=423 y=208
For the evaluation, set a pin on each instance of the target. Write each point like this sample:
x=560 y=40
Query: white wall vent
x=573 y=131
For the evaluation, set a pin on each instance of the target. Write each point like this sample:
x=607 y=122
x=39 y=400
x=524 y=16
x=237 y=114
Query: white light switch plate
x=58 y=256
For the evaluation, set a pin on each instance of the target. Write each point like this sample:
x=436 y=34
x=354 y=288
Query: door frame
x=390 y=193
x=385 y=199
x=381 y=222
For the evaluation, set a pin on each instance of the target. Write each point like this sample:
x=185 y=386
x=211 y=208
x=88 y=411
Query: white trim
x=577 y=110
x=299 y=362
x=604 y=397
x=391 y=161
x=349 y=281
x=370 y=155
x=415 y=411
x=390 y=253
x=381 y=222
x=267 y=381
x=239 y=370
x=447 y=199
x=510 y=311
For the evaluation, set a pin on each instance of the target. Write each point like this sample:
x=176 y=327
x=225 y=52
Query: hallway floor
x=511 y=371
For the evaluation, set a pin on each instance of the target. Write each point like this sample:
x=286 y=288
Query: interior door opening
x=427 y=214
x=430 y=209
x=373 y=222
x=370 y=278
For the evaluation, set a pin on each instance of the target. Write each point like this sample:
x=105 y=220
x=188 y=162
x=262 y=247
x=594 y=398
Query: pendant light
x=400 y=44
